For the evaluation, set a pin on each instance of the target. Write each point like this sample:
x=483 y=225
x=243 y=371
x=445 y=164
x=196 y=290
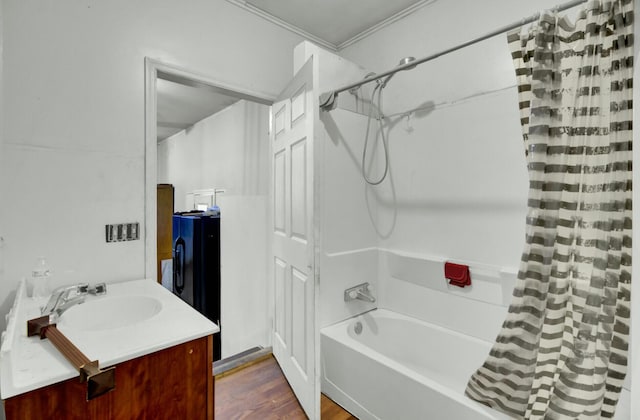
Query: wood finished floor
x=260 y=391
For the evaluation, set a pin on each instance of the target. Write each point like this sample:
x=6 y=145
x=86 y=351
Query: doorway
x=218 y=157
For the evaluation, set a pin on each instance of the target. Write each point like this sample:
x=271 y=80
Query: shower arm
x=328 y=100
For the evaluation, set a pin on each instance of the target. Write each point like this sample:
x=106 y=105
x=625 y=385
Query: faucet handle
x=82 y=288
x=98 y=289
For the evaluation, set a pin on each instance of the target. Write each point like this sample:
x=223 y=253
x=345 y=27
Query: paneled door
x=293 y=116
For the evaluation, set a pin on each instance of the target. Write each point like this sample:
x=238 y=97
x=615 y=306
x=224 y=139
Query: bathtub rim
x=388 y=313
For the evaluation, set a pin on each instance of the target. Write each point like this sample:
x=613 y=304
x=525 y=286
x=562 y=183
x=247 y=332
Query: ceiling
x=333 y=24
x=180 y=106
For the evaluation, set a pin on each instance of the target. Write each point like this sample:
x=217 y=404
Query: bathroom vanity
x=162 y=350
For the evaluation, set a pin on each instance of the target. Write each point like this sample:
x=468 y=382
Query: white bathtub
x=401 y=368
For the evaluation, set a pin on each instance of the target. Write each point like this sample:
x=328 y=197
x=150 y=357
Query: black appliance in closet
x=196 y=265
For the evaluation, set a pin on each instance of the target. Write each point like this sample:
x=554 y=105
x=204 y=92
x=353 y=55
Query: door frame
x=155 y=69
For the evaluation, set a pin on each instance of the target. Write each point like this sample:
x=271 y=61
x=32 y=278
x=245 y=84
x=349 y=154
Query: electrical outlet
x=120 y=232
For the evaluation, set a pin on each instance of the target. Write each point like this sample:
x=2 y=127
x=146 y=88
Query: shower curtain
x=562 y=351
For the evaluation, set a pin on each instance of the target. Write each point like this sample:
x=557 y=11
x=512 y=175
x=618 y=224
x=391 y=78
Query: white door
x=293 y=237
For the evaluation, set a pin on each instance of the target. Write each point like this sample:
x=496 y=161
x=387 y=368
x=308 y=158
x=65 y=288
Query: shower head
x=402 y=62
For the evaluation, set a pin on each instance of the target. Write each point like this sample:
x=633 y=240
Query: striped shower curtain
x=562 y=351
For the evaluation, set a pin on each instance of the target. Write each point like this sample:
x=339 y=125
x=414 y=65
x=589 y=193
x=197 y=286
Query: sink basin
x=107 y=312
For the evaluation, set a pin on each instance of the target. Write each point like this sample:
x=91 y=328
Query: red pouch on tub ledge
x=457 y=274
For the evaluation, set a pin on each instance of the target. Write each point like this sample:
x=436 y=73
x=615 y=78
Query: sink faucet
x=66 y=305
x=60 y=299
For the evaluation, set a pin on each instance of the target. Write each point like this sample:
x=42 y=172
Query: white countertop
x=28 y=363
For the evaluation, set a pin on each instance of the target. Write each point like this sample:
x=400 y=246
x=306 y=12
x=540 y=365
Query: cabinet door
x=164 y=214
x=175 y=383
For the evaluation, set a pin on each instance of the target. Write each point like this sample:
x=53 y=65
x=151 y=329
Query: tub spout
x=360 y=292
x=365 y=295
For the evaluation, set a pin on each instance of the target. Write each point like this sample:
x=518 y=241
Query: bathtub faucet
x=360 y=292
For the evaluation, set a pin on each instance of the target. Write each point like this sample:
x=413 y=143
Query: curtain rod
x=328 y=100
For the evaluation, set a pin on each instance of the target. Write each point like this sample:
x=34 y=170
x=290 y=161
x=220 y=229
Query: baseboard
x=240 y=361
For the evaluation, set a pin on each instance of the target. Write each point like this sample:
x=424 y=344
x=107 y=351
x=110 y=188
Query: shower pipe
x=328 y=100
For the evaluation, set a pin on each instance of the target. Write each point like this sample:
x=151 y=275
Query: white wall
x=244 y=275
x=230 y=150
x=349 y=242
x=73 y=136
x=458 y=181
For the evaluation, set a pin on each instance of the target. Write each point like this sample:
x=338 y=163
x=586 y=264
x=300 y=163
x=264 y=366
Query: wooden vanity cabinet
x=175 y=383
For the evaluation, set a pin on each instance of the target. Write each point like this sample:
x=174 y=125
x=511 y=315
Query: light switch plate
x=120 y=232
